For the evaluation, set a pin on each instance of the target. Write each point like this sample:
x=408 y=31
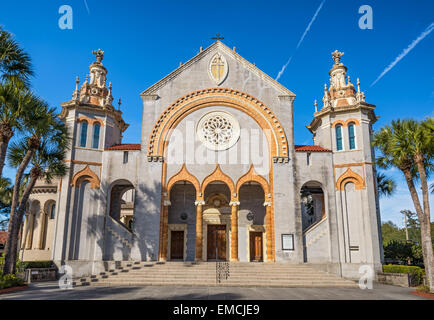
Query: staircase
x=127 y=273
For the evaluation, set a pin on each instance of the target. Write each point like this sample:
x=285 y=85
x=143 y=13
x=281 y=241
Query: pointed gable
x=218 y=47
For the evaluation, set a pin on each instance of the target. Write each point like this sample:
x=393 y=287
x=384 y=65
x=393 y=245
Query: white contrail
x=406 y=51
x=301 y=39
x=310 y=24
x=87 y=7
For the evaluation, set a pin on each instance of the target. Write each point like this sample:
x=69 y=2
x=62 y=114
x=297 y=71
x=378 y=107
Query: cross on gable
x=218 y=37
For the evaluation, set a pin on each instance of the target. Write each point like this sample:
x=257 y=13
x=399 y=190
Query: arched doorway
x=312 y=204
x=252 y=221
x=122 y=197
x=181 y=237
x=217 y=221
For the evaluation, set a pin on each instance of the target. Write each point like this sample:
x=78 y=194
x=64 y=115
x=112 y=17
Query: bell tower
x=94 y=122
x=344 y=126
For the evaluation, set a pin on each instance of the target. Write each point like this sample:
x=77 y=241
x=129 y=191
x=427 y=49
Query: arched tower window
x=352 y=136
x=83 y=134
x=95 y=140
x=339 y=138
x=52 y=211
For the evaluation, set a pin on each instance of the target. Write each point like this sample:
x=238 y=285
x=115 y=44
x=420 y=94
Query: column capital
x=167 y=203
x=234 y=203
x=267 y=204
x=199 y=202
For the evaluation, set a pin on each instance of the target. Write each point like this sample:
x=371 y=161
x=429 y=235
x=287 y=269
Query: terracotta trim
x=346 y=123
x=218 y=175
x=191 y=102
x=86 y=174
x=85 y=162
x=90 y=121
x=350 y=176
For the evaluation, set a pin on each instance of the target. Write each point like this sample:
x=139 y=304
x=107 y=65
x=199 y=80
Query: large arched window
x=83 y=134
x=339 y=138
x=95 y=140
x=351 y=136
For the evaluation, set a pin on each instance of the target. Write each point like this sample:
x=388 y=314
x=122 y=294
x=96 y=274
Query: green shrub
x=10 y=280
x=416 y=273
x=36 y=264
x=423 y=288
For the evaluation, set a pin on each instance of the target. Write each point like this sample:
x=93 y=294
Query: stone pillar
x=234 y=230
x=30 y=234
x=25 y=232
x=42 y=231
x=199 y=230
x=165 y=227
x=269 y=230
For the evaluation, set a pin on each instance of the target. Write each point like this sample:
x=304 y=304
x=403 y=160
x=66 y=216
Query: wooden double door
x=177 y=245
x=216 y=242
x=256 y=246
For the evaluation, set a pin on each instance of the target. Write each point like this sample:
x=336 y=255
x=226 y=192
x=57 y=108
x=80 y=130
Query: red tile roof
x=302 y=148
x=124 y=147
x=3 y=236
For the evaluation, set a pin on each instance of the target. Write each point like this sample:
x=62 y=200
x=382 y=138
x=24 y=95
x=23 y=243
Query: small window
x=351 y=136
x=125 y=156
x=95 y=141
x=339 y=138
x=308 y=158
x=53 y=211
x=83 y=134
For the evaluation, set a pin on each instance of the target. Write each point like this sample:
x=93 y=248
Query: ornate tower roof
x=94 y=93
x=341 y=92
x=342 y=95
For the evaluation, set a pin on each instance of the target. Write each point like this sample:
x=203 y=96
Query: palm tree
x=44 y=149
x=386 y=186
x=15 y=64
x=16 y=106
x=15 y=72
x=5 y=197
x=408 y=146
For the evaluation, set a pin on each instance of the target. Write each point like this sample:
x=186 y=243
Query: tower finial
x=337 y=56
x=119 y=104
x=99 y=55
x=316 y=104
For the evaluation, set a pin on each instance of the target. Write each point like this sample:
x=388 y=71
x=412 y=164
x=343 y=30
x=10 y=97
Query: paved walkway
x=51 y=291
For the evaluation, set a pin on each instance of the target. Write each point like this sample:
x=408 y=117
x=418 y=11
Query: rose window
x=218 y=130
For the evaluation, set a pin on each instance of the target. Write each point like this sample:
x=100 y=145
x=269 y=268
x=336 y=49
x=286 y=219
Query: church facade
x=216 y=175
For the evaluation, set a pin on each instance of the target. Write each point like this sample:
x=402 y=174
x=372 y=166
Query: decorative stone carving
x=218 y=68
x=218 y=130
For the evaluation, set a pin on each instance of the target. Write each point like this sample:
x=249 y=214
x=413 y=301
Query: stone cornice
x=228 y=51
x=72 y=104
x=359 y=106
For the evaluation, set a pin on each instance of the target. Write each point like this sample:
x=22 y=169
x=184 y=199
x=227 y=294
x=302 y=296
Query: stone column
x=30 y=234
x=42 y=231
x=234 y=230
x=165 y=226
x=269 y=230
x=25 y=232
x=199 y=229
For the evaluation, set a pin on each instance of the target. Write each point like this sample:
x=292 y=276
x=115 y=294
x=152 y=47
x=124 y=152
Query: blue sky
x=145 y=40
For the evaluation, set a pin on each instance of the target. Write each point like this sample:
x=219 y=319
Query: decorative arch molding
x=251 y=175
x=346 y=123
x=182 y=175
x=350 y=176
x=194 y=101
x=86 y=174
x=91 y=121
x=219 y=175
x=338 y=122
